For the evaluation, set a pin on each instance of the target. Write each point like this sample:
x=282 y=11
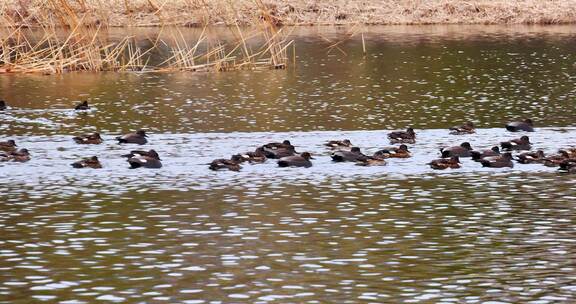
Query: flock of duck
x=285 y=154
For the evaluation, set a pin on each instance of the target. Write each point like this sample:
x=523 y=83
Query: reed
x=64 y=38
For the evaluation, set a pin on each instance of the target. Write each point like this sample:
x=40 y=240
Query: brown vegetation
x=65 y=38
x=293 y=12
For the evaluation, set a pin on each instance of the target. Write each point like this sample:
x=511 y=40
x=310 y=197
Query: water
x=329 y=233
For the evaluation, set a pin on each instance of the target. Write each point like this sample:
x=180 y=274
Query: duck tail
x=121 y=140
x=511 y=128
x=485 y=163
x=77 y=165
x=283 y=163
x=445 y=153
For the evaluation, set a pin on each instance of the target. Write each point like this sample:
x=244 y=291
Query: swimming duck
x=466 y=128
x=556 y=159
x=522 y=143
x=504 y=160
x=89 y=139
x=568 y=165
x=537 y=157
x=278 y=150
x=372 y=161
x=478 y=155
x=354 y=155
x=463 y=150
x=526 y=125
x=339 y=144
x=393 y=152
x=445 y=163
x=82 y=106
x=402 y=137
x=133 y=138
x=8 y=146
x=232 y=164
x=89 y=162
x=150 y=160
x=20 y=156
x=140 y=153
x=571 y=152
x=255 y=157
x=2 y=105
x=302 y=160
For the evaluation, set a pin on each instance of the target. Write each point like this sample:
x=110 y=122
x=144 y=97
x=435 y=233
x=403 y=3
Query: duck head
x=528 y=121
x=410 y=131
x=287 y=142
x=306 y=155
x=141 y=133
x=525 y=139
x=12 y=143
x=540 y=153
x=496 y=149
x=466 y=145
x=154 y=154
x=355 y=150
x=403 y=148
x=347 y=142
x=469 y=124
x=24 y=152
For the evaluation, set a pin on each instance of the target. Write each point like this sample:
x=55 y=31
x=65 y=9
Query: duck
x=568 y=165
x=478 y=155
x=466 y=128
x=302 y=160
x=402 y=137
x=88 y=139
x=3 y=105
x=445 y=163
x=278 y=150
x=571 y=152
x=141 y=153
x=522 y=143
x=149 y=161
x=463 y=150
x=339 y=144
x=537 y=157
x=516 y=126
x=20 y=156
x=393 y=152
x=82 y=106
x=133 y=138
x=256 y=157
x=556 y=159
x=232 y=164
x=372 y=161
x=354 y=155
x=8 y=146
x=88 y=162
x=504 y=160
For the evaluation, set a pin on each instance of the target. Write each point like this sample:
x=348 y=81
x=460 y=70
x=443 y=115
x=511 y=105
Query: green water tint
x=333 y=232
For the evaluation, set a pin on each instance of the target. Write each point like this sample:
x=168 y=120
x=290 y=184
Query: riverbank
x=119 y=13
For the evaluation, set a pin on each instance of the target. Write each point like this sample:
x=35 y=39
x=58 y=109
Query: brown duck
x=89 y=139
x=504 y=160
x=393 y=152
x=402 y=137
x=522 y=143
x=89 y=162
x=466 y=128
x=445 y=163
x=8 y=146
x=463 y=150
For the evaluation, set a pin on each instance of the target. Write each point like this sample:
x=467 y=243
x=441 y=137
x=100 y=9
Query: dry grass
x=293 y=12
x=63 y=37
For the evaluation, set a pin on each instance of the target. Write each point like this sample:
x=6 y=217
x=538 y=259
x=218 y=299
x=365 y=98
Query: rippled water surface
x=335 y=233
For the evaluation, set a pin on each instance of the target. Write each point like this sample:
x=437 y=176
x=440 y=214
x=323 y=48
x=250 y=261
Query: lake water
x=335 y=233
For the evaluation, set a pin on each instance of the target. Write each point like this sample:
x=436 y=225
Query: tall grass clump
x=64 y=37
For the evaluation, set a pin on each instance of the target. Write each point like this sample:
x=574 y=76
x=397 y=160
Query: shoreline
x=200 y=13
